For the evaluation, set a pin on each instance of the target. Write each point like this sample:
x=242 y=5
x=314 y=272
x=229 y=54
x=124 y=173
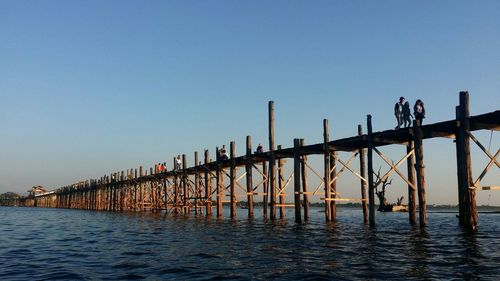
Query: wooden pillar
x=305 y=183
x=249 y=179
x=419 y=158
x=176 y=187
x=185 y=191
x=280 y=187
x=122 y=191
x=466 y=191
x=141 y=188
x=333 y=186
x=272 y=163
x=208 y=186
x=296 y=180
x=326 y=178
x=265 y=189
x=362 y=171
x=232 y=182
x=113 y=192
x=412 y=206
x=219 y=183
x=136 y=192
x=197 y=193
x=371 y=186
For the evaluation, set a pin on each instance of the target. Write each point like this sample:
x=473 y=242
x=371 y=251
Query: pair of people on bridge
x=403 y=113
x=161 y=168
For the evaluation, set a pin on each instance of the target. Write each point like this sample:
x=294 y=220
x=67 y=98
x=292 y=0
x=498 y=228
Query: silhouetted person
x=178 y=162
x=260 y=148
x=407 y=114
x=419 y=111
x=398 y=112
x=223 y=153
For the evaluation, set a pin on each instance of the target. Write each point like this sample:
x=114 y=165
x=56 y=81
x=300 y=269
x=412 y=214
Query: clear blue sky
x=93 y=87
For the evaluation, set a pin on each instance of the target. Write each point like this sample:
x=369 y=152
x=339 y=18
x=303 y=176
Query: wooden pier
x=214 y=184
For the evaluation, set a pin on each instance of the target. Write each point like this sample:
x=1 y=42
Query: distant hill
x=9 y=196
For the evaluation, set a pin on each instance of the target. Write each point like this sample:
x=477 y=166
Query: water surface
x=60 y=244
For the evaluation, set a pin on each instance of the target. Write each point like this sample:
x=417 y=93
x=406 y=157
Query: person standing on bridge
x=407 y=115
x=398 y=112
x=260 y=148
x=419 y=111
x=178 y=163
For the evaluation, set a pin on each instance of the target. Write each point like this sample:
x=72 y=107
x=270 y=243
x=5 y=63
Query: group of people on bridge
x=403 y=113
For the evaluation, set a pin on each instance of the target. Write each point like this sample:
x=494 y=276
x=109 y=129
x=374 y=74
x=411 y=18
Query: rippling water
x=56 y=244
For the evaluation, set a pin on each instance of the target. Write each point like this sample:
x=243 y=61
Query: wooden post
x=232 y=180
x=410 y=164
x=265 y=188
x=371 y=187
x=208 y=186
x=218 y=178
x=197 y=194
x=272 y=164
x=115 y=176
x=249 y=179
x=136 y=192
x=326 y=179
x=122 y=191
x=280 y=187
x=362 y=171
x=333 y=186
x=185 y=185
x=296 y=179
x=419 y=158
x=141 y=187
x=176 y=188
x=305 y=183
x=466 y=191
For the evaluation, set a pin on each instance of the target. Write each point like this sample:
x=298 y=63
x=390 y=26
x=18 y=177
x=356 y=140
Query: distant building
x=36 y=190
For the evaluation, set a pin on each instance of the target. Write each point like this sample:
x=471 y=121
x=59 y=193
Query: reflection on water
x=46 y=244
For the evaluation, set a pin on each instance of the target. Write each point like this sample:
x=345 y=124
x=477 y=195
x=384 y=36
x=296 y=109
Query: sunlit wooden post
x=208 y=185
x=296 y=179
x=362 y=171
x=249 y=180
x=305 y=183
x=419 y=158
x=410 y=164
x=184 y=183
x=280 y=187
x=196 y=184
x=371 y=186
x=326 y=179
x=272 y=161
x=466 y=190
x=232 y=180
x=218 y=178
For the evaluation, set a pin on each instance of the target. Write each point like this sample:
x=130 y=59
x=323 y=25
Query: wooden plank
x=489 y=188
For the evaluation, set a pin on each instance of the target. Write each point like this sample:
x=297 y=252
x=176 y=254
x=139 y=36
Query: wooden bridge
x=214 y=184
